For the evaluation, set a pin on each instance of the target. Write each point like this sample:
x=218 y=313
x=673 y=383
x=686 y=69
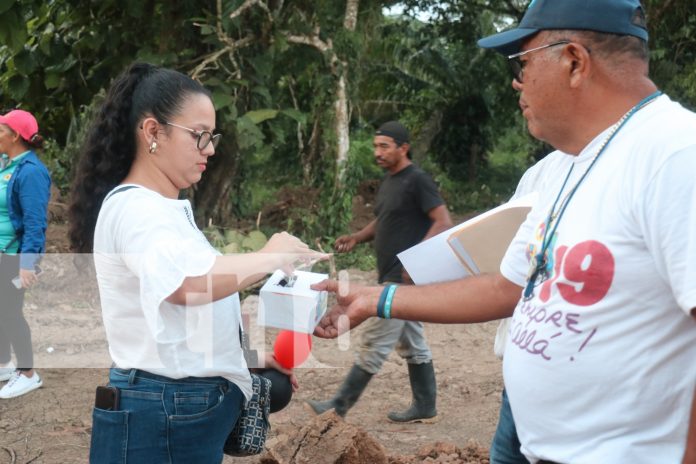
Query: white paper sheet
x=434 y=261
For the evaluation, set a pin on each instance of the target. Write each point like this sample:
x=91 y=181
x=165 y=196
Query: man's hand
x=352 y=307
x=345 y=243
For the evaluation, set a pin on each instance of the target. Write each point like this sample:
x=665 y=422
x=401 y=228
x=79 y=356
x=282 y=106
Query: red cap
x=22 y=122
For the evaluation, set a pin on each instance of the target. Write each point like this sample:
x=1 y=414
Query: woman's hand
x=291 y=251
x=28 y=277
x=270 y=362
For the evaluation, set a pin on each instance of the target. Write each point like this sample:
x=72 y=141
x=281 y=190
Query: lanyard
x=540 y=263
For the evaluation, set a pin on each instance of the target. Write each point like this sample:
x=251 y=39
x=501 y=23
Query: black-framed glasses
x=517 y=65
x=204 y=137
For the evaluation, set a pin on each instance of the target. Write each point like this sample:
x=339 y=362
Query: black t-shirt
x=403 y=202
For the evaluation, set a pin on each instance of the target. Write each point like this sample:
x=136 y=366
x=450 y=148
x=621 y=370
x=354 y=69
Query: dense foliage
x=292 y=79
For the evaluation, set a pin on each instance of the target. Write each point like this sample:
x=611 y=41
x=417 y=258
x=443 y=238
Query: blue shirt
x=26 y=198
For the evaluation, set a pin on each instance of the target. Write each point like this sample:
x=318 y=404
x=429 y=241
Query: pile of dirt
x=328 y=439
x=445 y=452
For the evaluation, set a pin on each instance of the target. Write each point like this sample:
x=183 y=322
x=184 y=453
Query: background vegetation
x=300 y=85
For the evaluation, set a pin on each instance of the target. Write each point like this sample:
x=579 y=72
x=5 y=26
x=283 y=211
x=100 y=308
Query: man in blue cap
x=600 y=279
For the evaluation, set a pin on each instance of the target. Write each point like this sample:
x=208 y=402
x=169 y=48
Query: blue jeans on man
x=505 y=448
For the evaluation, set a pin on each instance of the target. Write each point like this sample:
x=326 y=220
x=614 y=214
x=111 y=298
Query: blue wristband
x=388 y=302
x=380 y=304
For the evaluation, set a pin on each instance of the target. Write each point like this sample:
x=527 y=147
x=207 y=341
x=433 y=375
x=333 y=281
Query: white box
x=297 y=308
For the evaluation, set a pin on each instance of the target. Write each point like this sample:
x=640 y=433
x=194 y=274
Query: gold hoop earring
x=153 y=147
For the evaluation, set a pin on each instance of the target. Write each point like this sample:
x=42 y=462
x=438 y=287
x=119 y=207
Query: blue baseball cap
x=622 y=17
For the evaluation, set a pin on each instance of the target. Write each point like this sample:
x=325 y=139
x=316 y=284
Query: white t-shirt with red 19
x=600 y=366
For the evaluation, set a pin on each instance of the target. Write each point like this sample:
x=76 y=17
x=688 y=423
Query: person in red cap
x=600 y=279
x=24 y=194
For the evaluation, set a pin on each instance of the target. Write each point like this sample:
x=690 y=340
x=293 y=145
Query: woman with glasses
x=24 y=192
x=169 y=301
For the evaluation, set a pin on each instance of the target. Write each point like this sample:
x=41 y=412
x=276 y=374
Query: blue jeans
x=505 y=448
x=162 y=420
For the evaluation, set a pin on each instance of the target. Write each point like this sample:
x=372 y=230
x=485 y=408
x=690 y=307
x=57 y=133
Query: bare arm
x=441 y=221
x=233 y=273
x=346 y=243
x=690 y=453
x=472 y=299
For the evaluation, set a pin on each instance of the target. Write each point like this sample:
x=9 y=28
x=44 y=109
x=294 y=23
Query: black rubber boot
x=347 y=394
x=422 y=377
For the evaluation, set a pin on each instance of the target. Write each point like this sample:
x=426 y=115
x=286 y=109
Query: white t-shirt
x=601 y=363
x=533 y=180
x=145 y=245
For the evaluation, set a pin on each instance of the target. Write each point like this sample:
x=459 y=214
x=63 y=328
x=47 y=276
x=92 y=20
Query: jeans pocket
x=109 y=437
x=213 y=399
x=189 y=403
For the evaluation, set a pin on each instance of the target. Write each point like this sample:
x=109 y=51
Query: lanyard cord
x=555 y=218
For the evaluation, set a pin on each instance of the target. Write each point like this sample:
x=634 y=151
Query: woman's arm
x=232 y=273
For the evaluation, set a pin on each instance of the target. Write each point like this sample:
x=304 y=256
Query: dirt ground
x=52 y=425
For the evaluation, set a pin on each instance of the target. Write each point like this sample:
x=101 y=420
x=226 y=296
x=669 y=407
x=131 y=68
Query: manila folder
x=481 y=242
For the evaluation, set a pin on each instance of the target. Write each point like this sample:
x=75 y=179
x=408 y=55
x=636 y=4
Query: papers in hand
x=472 y=247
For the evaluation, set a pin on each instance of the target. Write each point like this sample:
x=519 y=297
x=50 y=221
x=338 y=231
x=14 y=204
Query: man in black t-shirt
x=409 y=210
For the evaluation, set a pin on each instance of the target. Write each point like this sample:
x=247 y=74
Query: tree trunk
x=342 y=110
x=342 y=129
x=351 y=18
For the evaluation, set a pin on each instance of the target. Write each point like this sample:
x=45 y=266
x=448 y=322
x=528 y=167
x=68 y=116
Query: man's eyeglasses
x=204 y=137
x=517 y=65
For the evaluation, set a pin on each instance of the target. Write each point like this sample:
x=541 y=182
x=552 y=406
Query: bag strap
x=123 y=188
x=250 y=356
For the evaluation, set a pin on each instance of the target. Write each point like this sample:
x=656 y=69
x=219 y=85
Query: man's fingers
x=325 y=332
x=326 y=285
